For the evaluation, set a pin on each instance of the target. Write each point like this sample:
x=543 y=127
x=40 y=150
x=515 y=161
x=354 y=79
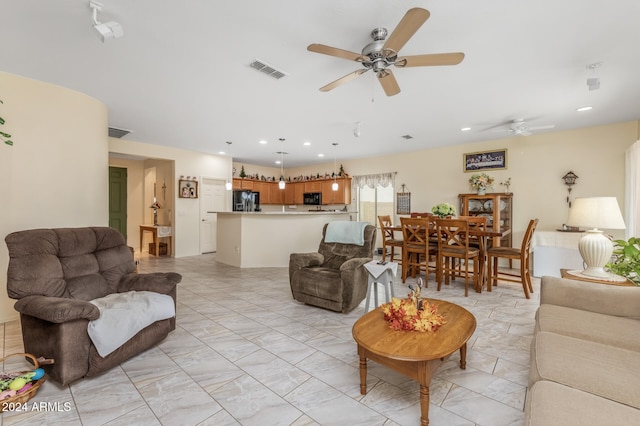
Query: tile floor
x=245 y=353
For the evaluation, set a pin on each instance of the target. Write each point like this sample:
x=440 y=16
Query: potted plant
x=443 y=210
x=626 y=259
x=480 y=182
x=4 y=136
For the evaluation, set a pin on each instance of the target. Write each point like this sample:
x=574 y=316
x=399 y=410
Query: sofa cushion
x=88 y=287
x=323 y=283
x=552 y=404
x=589 y=326
x=602 y=370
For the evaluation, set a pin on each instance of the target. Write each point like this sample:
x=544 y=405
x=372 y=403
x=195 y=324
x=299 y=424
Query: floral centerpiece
x=443 y=210
x=413 y=313
x=480 y=182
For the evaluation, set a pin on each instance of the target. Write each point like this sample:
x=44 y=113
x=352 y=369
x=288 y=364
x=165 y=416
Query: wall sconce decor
x=188 y=189
x=569 y=180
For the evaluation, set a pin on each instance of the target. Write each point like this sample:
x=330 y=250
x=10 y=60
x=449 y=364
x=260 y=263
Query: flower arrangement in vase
x=443 y=210
x=480 y=182
x=413 y=313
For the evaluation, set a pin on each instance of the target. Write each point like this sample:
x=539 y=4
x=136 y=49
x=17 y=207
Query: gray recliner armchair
x=333 y=278
x=55 y=273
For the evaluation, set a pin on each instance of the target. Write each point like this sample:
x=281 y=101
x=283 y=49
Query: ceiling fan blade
x=543 y=127
x=388 y=82
x=342 y=80
x=430 y=60
x=410 y=23
x=334 y=51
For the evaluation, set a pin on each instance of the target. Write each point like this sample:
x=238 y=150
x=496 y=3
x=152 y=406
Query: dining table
x=493 y=233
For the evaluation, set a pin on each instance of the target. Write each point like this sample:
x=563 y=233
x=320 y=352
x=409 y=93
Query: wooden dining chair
x=477 y=225
x=388 y=238
x=416 y=249
x=453 y=245
x=513 y=253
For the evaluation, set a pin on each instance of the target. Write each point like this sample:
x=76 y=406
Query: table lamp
x=595 y=248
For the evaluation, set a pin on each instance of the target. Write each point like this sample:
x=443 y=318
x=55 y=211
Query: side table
x=564 y=273
x=382 y=274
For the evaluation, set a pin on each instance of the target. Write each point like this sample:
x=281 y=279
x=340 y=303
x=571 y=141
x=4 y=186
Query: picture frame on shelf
x=484 y=160
x=187 y=189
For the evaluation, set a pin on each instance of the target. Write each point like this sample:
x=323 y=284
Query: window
x=374 y=202
x=375 y=196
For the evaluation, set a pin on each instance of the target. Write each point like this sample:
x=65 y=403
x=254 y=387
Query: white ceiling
x=180 y=76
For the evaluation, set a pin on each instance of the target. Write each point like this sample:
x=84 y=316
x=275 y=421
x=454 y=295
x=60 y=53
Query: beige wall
x=186 y=214
x=56 y=174
x=536 y=165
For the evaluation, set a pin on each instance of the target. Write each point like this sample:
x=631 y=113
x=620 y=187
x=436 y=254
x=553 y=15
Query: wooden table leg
x=424 y=405
x=463 y=356
x=363 y=371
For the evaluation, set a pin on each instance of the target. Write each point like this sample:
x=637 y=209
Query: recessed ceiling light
x=320 y=155
x=278 y=161
x=584 y=108
x=465 y=129
x=263 y=142
x=307 y=143
x=221 y=152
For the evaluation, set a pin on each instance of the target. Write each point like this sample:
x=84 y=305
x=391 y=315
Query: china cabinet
x=497 y=207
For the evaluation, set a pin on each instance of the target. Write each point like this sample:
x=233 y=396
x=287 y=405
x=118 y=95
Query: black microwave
x=312 y=198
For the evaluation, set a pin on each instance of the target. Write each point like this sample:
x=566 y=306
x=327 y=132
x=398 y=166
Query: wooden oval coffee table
x=414 y=354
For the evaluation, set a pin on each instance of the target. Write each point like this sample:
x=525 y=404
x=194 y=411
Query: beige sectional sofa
x=585 y=355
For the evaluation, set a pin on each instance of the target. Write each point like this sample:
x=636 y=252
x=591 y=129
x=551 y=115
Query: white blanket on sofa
x=123 y=315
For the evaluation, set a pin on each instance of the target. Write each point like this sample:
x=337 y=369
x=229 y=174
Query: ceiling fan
x=382 y=52
x=519 y=127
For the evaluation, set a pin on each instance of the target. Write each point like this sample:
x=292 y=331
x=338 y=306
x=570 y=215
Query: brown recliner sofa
x=54 y=273
x=333 y=278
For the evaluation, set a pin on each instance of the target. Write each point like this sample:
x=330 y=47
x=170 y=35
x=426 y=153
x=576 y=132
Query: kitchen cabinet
x=293 y=193
x=243 y=183
x=341 y=196
x=313 y=186
x=496 y=207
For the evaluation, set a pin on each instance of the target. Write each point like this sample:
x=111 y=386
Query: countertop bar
x=288 y=212
x=266 y=239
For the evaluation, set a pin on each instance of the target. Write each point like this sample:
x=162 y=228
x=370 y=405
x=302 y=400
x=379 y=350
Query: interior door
x=212 y=199
x=118 y=199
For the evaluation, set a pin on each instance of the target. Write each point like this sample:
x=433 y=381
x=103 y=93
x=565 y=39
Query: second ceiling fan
x=380 y=54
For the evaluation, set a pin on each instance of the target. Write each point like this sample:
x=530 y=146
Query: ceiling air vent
x=407 y=137
x=118 y=133
x=265 y=68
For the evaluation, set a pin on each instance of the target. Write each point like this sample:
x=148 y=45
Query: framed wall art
x=487 y=160
x=403 y=204
x=187 y=189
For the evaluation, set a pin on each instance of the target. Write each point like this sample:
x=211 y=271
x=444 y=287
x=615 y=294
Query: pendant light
x=228 y=185
x=281 y=183
x=334 y=185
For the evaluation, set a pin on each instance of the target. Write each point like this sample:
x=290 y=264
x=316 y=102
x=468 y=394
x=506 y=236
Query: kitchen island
x=266 y=239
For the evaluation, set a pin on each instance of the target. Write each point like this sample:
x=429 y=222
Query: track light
x=356 y=130
x=108 y=30
x=593 y=82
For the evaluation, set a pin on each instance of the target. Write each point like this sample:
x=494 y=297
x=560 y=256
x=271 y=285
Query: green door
x=118 y=199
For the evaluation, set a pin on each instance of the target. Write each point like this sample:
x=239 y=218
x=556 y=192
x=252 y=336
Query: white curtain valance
x=379 y=179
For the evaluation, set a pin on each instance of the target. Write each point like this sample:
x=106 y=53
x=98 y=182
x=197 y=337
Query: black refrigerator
x=246 y=201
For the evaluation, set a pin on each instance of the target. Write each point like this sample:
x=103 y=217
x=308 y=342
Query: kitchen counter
x=266 y=239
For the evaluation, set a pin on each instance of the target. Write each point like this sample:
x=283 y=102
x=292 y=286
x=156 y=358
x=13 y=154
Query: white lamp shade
x=227 y=186
x=596 y=212
x=281 y=184
x=334 y=186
